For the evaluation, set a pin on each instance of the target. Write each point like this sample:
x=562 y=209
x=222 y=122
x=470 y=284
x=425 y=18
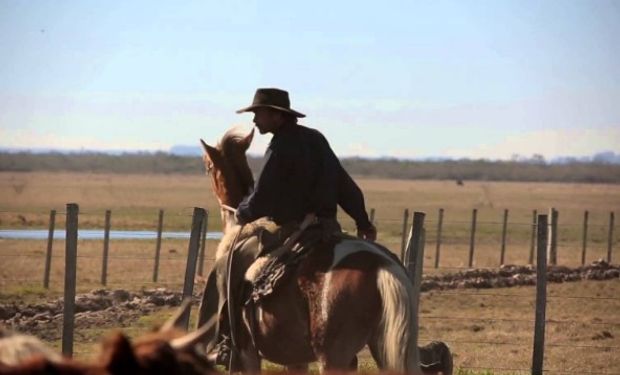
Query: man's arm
x=346 y=193
x=324 y=162
x=261 y=201
x=351 y=199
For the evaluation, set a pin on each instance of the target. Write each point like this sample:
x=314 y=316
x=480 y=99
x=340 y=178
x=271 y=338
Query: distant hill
x=182 y=150
x=602 y=169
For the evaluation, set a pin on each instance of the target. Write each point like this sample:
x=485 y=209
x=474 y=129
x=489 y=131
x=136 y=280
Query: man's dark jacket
x=302 y=175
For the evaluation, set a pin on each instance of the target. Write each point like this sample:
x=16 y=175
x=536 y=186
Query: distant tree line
x=467 y=169
x=464 y=169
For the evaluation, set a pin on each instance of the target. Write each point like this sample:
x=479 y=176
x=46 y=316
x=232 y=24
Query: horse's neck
x=228 y=219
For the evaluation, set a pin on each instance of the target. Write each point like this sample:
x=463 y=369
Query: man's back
x=302 y=175
x=285 y=189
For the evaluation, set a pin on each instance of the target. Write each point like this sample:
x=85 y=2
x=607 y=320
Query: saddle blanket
x=270 y=270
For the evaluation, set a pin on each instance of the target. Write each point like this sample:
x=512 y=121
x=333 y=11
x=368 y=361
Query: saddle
x=276 y=263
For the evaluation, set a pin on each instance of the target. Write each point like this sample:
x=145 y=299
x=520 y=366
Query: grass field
x=487 y=329
x=26 y=198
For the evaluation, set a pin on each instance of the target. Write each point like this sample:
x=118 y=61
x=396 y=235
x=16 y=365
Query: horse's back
x=331 y=302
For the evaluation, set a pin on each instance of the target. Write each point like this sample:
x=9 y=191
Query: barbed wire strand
x=545 y=370
x=548 y=321
x=444 y=293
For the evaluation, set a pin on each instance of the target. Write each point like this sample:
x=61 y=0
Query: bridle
x=228 y=208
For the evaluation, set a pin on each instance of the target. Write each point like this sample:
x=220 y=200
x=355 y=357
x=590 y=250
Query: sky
x=405 y=79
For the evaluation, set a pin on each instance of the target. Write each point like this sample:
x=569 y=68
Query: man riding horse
x=301 y=179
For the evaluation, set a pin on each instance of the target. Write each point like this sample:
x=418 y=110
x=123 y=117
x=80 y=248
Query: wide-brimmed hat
x=272 y=98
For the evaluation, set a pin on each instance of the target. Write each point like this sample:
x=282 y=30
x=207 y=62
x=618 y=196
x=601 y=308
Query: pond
x=97 y=234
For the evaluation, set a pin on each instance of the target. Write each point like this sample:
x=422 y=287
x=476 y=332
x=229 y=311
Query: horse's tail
x=396 y=336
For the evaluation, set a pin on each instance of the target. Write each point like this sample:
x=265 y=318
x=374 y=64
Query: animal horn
x=203 y=334
x=175 y=320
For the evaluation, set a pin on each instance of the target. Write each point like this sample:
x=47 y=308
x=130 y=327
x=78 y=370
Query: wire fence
x=154 y=260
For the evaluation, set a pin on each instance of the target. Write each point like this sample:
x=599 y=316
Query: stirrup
x=221 y=352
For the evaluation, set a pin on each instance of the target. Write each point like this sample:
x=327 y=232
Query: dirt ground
x=102 y=310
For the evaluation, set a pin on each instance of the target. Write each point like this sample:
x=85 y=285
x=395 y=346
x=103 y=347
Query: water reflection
x=97 y=234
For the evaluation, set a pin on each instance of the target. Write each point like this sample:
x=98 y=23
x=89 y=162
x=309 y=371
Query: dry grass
x=494 y=328
x=26 y=198
x=131 y=264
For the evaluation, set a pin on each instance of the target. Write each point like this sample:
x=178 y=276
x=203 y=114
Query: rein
x=231 y=309
x=228 y=208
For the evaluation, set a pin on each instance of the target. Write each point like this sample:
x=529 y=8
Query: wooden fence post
x=106 y=245
x=415 y=240
x=552 y=242
x=403 y=241
x=439 y=227
x=584 y=241
x=541 y=296
x=504 y=229
x=160 y=227
x=372 y=216
x=203 y=245
x=610 y=236
x=533 y=239
x=472 y=238
x=68 y=319
x=192 y=257
x=48 y=254
x=415 y=263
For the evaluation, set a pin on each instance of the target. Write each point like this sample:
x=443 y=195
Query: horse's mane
x=233 y=149
x=247 y=231
x=231 y=141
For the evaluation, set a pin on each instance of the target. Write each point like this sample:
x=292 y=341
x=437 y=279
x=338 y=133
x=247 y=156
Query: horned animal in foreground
x=167 y=351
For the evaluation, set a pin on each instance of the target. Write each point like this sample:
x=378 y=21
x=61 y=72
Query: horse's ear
x=247 y=140
x=118 y=356
x=211 y=152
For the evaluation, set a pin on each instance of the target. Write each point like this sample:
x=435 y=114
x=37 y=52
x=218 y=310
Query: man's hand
x=369 y=233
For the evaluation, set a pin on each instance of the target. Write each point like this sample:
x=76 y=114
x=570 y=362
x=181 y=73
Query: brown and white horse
x=340 y=299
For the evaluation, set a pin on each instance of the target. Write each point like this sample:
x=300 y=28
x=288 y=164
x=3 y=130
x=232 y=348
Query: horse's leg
x=353 y=364
x=352 y=305
x=250 y=360
x=300 y=368
x=375 y=351
x=338 y=362
x=209 y=306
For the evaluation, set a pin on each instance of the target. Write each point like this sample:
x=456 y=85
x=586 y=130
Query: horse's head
x=231 y=177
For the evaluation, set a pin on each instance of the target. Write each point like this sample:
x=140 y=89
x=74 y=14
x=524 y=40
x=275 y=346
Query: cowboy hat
x=272 y=98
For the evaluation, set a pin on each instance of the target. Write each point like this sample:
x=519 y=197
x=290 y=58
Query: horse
x=341 y=297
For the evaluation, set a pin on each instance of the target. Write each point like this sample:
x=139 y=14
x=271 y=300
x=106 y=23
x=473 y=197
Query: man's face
x=267 y=120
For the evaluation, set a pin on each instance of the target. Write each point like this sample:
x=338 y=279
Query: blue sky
x=392 y=78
